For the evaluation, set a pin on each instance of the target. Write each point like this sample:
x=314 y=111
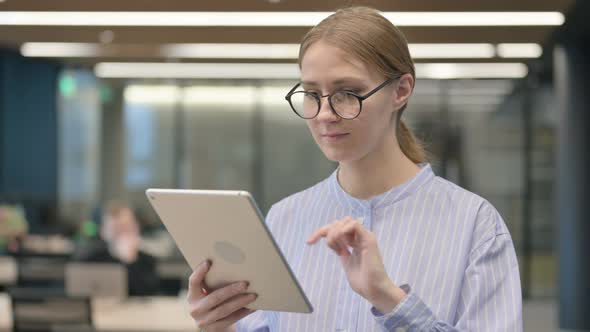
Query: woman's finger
x=224 y=310
x=352 y=232
x=326 y=230
x=318 y=234
x=344 y=248
x=346 y=236
x=333 y=244
x=219 y=296
x=332 y=239
x=196 y=284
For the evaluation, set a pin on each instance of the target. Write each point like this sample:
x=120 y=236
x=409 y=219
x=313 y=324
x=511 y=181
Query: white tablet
x=227 y=228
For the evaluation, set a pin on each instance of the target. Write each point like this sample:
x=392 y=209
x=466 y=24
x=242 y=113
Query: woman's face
x=326 y=69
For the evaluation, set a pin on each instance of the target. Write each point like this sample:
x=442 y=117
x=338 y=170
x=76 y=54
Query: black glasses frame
x=319 y=97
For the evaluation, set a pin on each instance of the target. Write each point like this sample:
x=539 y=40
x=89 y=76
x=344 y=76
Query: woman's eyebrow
x=308 y=83
x=340 y=81
x=347 y=80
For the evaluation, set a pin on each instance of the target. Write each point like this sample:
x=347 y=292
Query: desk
x=41 y=269
x=5 y=313
x=8 y=271
x=145 y=314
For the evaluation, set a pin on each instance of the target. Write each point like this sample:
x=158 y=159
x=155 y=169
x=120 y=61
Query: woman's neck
x=378 y=172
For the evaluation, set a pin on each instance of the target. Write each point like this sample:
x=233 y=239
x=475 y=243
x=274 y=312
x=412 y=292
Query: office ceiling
x=141 y=43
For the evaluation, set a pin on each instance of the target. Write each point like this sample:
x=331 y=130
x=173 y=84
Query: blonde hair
x=368 y=36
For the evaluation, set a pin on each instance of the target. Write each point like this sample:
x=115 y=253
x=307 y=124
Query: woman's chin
x=338 y=155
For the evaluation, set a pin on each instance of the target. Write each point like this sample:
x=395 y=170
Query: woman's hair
x=368 y=36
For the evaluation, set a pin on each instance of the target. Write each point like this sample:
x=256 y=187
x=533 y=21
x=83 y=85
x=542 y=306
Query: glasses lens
x=346 y=104
x=304 y=104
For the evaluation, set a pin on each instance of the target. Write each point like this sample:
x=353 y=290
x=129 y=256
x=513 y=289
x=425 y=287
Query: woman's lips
x=334 y=137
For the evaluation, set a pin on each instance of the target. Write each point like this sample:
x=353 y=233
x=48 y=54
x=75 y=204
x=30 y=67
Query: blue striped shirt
x=450 y=246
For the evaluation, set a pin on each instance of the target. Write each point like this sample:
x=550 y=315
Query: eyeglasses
x=346 y=104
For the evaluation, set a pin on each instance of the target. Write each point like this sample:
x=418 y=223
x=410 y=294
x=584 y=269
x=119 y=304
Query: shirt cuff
x=411 y=314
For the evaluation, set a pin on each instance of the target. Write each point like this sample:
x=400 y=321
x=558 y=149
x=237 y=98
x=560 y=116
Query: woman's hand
x=219 y=309
x=362 y=262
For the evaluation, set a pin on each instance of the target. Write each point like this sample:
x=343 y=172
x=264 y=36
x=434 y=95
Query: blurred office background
x=101 y=100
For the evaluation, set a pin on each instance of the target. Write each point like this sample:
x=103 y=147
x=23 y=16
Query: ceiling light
x=228 y=51
x=476 y=18
x=440 y=51
x=272 y=51
x=470 y=70
x=305 y=19
x=196 y=70
x=219 y=50
x=291 y=71
x=60 y=50
x=519 y=50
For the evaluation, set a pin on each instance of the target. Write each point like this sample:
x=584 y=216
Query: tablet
x=227 y=228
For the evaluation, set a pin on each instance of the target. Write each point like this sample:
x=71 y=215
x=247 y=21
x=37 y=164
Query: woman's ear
x=403 y=90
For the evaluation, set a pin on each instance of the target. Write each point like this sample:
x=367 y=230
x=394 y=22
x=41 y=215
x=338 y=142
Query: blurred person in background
x=13 y=228
x=119 y=242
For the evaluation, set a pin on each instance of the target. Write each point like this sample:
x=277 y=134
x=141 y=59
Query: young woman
x=405 y=248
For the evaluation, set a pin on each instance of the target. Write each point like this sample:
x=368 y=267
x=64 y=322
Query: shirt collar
x=387 y=198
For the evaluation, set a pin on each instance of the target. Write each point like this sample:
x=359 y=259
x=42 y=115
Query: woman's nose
x=326 y=112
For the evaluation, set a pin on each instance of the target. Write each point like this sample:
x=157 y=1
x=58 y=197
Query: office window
x=79 y=128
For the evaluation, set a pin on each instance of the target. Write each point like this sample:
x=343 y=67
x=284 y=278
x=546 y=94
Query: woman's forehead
x=326 y=63
x=322 y=59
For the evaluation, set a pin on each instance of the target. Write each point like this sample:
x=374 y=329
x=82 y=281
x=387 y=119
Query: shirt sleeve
x=255 y=322
x=489 y=300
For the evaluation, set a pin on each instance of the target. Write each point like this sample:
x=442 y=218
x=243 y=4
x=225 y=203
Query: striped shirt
x=449 y=246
